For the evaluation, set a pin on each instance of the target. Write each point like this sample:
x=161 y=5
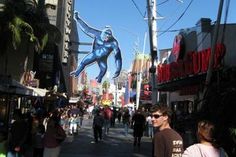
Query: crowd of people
x=156 y=123
x=168 y=143
x=45 y=133
x=40 y=134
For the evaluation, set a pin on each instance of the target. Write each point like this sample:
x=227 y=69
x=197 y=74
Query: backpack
x=223 y=153
x=60 y=134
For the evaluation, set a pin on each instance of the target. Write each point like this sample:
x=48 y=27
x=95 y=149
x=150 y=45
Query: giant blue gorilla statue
x=104 y=43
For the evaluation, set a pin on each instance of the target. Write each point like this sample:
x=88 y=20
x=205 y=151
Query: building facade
x=182 y=70
x=56 y=61
x=181 y=77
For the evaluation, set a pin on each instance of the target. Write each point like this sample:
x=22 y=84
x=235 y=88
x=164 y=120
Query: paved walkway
x=115 y=144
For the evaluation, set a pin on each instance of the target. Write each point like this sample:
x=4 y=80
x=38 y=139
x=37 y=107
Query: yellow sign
x=106 y=102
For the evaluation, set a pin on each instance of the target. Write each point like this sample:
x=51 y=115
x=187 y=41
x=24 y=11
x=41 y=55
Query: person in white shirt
x=149 y=125
x=73 y=121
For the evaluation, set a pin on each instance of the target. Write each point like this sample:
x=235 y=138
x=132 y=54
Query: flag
x=127 y=90
x=127 y=96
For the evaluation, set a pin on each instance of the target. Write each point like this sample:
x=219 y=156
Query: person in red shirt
x=107 y=119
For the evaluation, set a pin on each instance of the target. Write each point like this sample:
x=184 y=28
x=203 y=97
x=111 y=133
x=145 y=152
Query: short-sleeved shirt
x=201 y=150
x=168 y=143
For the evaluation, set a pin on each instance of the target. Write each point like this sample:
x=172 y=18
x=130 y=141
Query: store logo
x=178 y=48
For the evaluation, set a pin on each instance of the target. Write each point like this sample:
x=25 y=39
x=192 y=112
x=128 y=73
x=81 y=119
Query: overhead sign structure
x=67 y=31
x=103 y=45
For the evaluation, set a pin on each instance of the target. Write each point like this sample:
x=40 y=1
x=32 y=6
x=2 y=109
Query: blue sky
x=126 y=20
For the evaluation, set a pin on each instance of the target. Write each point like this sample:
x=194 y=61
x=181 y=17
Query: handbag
x=223 y=153
x=60 y=134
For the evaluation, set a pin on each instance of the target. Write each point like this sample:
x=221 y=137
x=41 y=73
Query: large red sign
x=195 y=63
x=146 y=93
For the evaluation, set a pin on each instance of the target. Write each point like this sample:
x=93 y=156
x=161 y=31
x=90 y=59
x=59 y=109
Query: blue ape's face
x=106 y=34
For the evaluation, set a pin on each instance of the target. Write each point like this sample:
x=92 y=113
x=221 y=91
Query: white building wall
x=116 y=93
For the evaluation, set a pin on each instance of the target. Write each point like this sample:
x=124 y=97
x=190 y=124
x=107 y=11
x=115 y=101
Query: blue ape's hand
x=76 y=15
x=117 y=73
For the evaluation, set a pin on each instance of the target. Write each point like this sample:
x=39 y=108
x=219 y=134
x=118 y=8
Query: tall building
x=56 y=61
x=141 y=65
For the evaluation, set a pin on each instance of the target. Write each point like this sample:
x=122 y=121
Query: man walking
x=167 y=142
x=98 y=122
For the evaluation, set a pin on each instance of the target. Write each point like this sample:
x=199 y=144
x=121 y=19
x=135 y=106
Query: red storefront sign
x=195 y=63
x=190 y=90
x=145 y=93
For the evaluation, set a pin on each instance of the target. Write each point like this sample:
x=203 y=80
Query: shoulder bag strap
x=223 y=153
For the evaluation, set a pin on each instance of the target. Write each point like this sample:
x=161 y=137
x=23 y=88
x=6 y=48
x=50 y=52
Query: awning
x=11 y=86
x=182 y=82
x=73 y=100
x=38 y=91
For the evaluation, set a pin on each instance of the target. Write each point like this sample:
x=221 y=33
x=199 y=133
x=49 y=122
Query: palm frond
x=40 y=45
x=18 y=26
x=233 y=131
x=44 y=41
x=16 y=35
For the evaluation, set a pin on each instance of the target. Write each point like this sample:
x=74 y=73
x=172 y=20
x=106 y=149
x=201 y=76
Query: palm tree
x=25 y=20
x=43 y=30
x=13 y=26
x=106 y=85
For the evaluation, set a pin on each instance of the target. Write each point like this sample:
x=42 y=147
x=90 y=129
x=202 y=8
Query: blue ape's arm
x=92 y=32
x=118 y=59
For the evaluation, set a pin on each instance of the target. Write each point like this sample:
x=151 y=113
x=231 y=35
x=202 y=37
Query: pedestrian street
x=115 y=144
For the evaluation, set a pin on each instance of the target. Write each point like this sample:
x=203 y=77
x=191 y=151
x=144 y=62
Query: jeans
x=97 y=131
x=106 y=126
x=150 y=131
x=126 y=127
x=13 y=154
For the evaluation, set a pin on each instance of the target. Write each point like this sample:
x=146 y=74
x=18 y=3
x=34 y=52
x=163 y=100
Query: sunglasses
x=156 y=116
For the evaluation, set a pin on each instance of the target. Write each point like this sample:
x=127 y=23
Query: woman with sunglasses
x=167 y=142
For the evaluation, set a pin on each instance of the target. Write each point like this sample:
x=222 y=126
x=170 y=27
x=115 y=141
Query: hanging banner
x=104 y=44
